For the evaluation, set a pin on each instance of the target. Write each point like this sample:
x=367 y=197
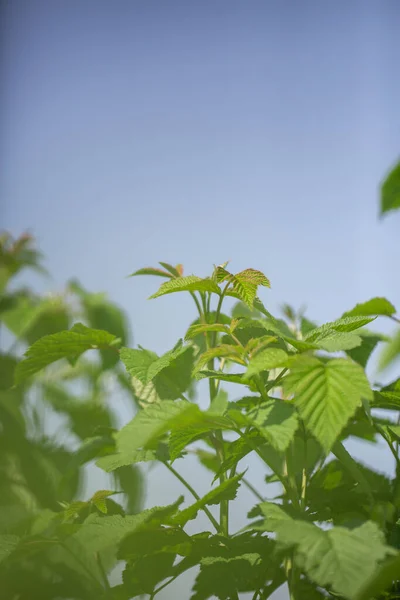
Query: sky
x=198 y=132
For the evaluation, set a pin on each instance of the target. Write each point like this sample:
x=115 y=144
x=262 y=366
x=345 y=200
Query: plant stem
x=253 y=489
x=197 y=305
x=164 y=585
x=103 y=573
x=194 y=494
x=395 y=319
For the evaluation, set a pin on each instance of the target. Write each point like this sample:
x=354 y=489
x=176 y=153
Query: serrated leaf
x=190 y=283
x=339 y=558
x=99 y=499
x=253 y=276
x=390 y=191
x=326 y=394
x=375 y=306
x=270 y=358
x=275 y=420
x=345 y=324
x=64 y=344
x=225 y=491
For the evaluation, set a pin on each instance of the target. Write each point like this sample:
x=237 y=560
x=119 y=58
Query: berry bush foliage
x=300 y=394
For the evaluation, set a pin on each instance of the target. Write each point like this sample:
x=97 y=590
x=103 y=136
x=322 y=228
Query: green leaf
x=65 y=344
x=390 y=191
x=345 y=324
x=369 y=341
x=375 y=306
x=225 y=491
x=270 y=358
x=175 y=271
x=387 y=400
x=227 y=351
x=191 y=283
x=115 y=461
x=391 y=352
x=275 y=420
x=341 y=558
x=380 y=580
x=8 y=544
x=253 y=276
x=152 y=422
x=195 y=330
x=155 y=420
x=170 y=373
x=228 y=377
x=327 y=394
x=8 y=364
x=138 y=362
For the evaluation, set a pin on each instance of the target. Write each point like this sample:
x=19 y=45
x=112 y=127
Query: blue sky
x=198 y=132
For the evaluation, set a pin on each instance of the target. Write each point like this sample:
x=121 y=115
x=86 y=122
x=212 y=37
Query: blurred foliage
x=43 y=469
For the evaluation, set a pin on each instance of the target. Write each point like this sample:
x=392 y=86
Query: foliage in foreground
x=301 y=392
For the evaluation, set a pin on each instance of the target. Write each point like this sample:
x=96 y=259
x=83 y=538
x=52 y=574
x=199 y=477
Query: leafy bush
x=301 y=394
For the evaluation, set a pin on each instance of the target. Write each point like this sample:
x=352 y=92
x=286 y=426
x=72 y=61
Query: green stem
x=275 y=382
x=253 y=489
x=164 y=585
x=194 y=494
x=103 y=573
x=395 y=319
x=197 y=305
x=224 y=505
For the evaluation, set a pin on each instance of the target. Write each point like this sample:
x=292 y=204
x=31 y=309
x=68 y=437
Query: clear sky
x=196 y=132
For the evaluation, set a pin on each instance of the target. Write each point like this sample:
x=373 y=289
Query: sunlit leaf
x=326 y=394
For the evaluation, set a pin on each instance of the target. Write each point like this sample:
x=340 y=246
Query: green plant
x=301 y=393
x=51 y=429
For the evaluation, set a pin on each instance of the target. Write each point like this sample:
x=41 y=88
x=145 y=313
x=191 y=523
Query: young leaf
x=65 y=344
x=375 y=306
x=253 y=276
x=195 y=330
x=271 y=358
x=175 y=271
x=152 y=271
x=191 y=283
x=390 y=191
x=225 y=491
x=230 y=352
x=326 y=394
